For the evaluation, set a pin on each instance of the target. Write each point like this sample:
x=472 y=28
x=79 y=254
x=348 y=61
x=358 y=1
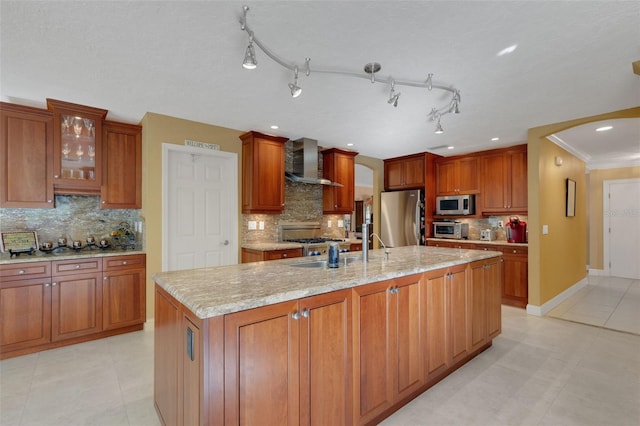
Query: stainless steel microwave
x=456 y=205
x=454 y=230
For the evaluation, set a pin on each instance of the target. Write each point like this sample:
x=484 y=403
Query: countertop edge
x=46 y=257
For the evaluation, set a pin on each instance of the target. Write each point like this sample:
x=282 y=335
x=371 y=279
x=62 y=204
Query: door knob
x=225 y=243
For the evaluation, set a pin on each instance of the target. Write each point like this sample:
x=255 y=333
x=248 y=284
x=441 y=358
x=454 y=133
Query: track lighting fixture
x=295 y=89
x=393 y=97
x=250 y=55
x=370 y=70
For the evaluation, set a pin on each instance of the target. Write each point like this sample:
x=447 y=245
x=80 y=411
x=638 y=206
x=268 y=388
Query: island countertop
x=210 y=292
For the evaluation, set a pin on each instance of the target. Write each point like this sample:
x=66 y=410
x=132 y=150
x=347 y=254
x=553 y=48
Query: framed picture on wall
x=571 y=198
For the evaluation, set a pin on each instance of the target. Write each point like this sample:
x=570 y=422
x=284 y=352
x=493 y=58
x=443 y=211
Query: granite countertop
x=494 y=242
x=210 y=292
x=65 y=254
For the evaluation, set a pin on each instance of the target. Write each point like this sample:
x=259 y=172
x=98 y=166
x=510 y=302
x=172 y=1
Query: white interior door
x=622 y=223
x=200 y=208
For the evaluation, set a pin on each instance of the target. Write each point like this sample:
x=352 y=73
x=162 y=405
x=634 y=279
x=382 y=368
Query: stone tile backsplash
x=75 y=217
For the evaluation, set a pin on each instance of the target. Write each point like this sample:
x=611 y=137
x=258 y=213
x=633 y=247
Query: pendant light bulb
x=439 y=129
x=250 y=61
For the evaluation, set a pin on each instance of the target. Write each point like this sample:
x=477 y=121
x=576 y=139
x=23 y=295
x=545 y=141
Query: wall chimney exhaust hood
x=305 y=163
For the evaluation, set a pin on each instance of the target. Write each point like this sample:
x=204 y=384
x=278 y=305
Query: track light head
x=393 y=96
x=439 y=129
x=295 y=89
x=250 y=62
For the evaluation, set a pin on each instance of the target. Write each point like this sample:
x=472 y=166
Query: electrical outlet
x=261 y=225
x=500 y=224
x=329 y=224
x=340 y=223
x=545 y=229
x=252 y=225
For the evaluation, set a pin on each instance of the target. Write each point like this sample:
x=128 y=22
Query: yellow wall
x=557 y=260
x=159 y=129
x=596 y=234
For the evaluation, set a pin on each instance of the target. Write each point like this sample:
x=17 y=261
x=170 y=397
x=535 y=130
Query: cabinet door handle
x=47 y=285
x=48 y=201
x=305 y=313
x=54 y=284
x=295 y=315
x=190 y=353
x=56 y=176
x=515 y=251
x=77 y=266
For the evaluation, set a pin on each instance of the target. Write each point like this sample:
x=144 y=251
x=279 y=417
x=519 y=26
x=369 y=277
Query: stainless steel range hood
x=305 y=163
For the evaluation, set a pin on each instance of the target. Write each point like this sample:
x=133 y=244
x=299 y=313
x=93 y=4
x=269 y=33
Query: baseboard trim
x=599 y=272
x=542 y=310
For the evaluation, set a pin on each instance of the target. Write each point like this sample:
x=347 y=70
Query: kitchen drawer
x=515 y=250
x=20 y=271
x=70 y=267
x=117 y=263
x=487 y=247
x=282 y=254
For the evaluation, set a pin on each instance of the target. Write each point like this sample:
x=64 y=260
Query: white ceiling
x=183 y=58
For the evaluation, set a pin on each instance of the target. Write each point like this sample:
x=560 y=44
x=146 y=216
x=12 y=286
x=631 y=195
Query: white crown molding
x=562 y=144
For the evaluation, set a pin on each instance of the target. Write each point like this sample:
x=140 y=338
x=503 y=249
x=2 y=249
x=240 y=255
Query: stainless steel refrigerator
x=402 y=218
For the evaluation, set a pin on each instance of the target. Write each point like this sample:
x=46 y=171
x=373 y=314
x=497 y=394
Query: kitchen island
x=294 y=342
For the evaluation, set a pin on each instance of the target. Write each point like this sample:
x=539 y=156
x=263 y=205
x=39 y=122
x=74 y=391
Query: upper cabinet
x=121 y=166
x=26 y=162
x=77 y=147
x=457 y=175
x=404 y=172
x=504 y=181
x=339 y=167
x=68 y=149
x=262 y=173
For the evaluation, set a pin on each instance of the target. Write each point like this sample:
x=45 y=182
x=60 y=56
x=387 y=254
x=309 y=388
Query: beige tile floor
x=539 y=371
x=604 y=302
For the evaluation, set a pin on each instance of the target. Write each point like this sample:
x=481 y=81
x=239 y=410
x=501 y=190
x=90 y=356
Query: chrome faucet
x=365 y=242
x=386 y=251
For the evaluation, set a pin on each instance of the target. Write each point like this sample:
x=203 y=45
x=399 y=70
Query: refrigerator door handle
x=417 y=224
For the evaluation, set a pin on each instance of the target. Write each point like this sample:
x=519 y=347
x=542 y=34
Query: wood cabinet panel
x=26 y=149
x=459 y=313
x=167 y=345
x=123 y=297
x=515 y=289
x=261 y=366
x=436 y=324
x=339 y=167
x=191 y=373
x=262 y=173
x=121 y=166
x=326 y=359
x=457 y=175
x=504 y=181
x=76 y=305
x=25 y=313
x=404 y=172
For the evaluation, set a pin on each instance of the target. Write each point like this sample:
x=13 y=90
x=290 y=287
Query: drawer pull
x=21 y=271
x=124 y=262
x=54 y=284
x=284 y=254
x=77 y=266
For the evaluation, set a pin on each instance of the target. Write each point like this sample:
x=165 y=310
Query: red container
x=516 y=230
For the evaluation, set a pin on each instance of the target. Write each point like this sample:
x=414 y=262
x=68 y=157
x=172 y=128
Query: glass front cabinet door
x=77 y=147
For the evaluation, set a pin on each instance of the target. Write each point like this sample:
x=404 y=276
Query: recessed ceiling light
x=508 y=50
x=495 y=139
x=450 y=147
x=349 y=144
x=604 y=128
x=275 y=127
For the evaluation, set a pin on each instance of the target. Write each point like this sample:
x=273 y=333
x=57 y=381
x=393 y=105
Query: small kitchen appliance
x=456 y=205
x=451 y=229
x=487 y=235
x=516 y=230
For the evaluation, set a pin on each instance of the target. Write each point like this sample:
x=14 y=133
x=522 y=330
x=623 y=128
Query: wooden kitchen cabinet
x=123 y=291
x=515 y=289
x=48 y=304
x=121 y=166
x=504 y=181
x=406 y=172
x=77 y=147
x=251 y=255
x=272 y=359
x=262 y=173
x=485 y=295
x=76 y=299
x=26 y=157
x=389 y=357
x=25 y=306
x=447 y=319
x=339 y=167
x=457 y=175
